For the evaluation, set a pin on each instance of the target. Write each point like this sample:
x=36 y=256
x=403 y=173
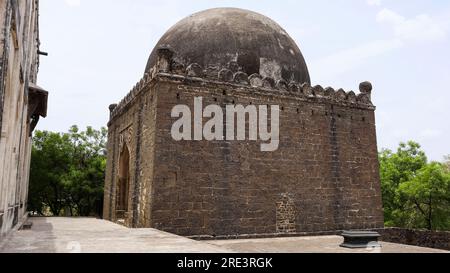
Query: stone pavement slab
x=317 y=244
x=90 y=235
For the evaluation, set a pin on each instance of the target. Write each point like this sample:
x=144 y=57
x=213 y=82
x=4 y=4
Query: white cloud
x=73 y=3
x=422 y=28
x=374 y=2
x=346 y=60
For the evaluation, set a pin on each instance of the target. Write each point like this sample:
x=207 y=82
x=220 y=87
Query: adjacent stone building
x=22 y=103
x=323 y=177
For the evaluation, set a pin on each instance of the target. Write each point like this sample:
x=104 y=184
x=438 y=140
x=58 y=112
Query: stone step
x=361 y=239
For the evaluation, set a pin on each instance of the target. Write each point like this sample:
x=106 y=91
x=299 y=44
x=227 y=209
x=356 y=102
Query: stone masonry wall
x=325 y=170
x=135 y=129
x=422 y=238
x=19 y=61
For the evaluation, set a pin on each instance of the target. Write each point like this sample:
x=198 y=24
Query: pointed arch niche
x=123 y=186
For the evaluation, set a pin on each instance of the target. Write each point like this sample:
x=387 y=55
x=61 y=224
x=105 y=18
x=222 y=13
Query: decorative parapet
x=117 y=109
x=168 y=67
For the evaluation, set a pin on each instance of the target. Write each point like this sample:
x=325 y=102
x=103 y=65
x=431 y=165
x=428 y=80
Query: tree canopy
x=416 y=193
x=67 y=172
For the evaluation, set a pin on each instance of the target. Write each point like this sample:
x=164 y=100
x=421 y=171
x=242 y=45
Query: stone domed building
x=323 y=175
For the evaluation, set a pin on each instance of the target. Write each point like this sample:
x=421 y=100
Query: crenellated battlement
x=168 y=68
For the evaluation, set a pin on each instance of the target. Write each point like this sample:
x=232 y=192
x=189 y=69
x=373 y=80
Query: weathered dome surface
x=223 y=37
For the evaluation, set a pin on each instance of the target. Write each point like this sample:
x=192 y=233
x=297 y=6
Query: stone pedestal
x=361 y=239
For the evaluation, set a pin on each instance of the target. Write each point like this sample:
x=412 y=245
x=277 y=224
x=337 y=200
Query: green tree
x=67 y=172
x=427 y=197
x=395 y=169
x=415 y=193
x=50 y=160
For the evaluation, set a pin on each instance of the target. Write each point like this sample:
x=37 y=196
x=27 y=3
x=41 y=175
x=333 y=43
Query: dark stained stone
x=365 y=87
x=241 y=78
x=282 y=85
x=268 y=83
x=226 y=75
x=194 y=70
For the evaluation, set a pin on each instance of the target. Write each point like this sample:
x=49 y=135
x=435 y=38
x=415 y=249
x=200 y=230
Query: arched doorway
x=123 y=185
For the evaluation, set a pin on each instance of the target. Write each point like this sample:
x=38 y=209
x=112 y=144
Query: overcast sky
x=99 y=48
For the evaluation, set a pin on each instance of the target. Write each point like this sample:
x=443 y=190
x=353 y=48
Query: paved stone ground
x=89 y=235
x=320 y=244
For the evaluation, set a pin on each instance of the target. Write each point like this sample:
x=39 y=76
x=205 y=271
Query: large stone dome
x=237 y=39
